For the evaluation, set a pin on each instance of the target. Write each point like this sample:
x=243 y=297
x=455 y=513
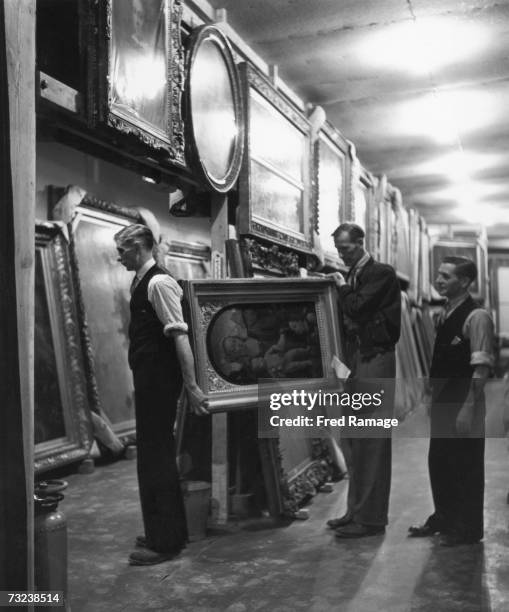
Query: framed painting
x=135 y=71
x=333 y=187
x=250 y=330
x=362 y=206
x=62 y=425
x=275 y=201
x=402 y=262
x=214 y=109
x=185 y=261
x=471 y=250
x=415 y=246
x=104 y=301
x=424 y=261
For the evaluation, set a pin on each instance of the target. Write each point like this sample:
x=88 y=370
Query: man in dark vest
x=161 y=360
x=462 y=358
x=370 y=303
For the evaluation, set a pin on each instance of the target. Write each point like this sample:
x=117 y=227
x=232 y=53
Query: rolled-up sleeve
x=478 y=328
x=165 y=295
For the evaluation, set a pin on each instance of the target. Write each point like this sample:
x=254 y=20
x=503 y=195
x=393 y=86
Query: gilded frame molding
x=167 y=144
x=206 y=298
x=68 y=351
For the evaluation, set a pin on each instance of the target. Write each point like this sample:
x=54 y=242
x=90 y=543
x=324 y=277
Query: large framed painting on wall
x=136 y=71
x=104 y=287
x=275 y=179
x=333 y=183
x=62 y=425
x=462 y=248
x=245 y=330
x=215 y=125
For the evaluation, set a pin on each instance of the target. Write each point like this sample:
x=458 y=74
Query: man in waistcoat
x=462 y=358
x=161 y=360
x=370 y=304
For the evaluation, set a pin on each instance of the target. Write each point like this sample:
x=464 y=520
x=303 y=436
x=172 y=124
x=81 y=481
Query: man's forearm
x=476 y=391
x=186 y=360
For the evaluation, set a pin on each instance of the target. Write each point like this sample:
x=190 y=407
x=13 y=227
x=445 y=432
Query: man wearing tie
x=461 y=363
x=370 y=303
x=161 y=360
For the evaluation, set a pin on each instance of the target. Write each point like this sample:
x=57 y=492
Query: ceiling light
x=422 y=46
x=444 y=116
x=457 y=166
x=470 y=192
x=481 y=213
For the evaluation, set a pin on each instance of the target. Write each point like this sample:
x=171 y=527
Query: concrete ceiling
x=420 y=86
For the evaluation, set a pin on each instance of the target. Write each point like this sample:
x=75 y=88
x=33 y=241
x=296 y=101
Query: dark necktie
x=134 y=284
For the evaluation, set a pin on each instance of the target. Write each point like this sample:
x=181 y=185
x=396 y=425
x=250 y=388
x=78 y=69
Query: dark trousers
x=157 y=384
x=456 y=470
x=370 y=459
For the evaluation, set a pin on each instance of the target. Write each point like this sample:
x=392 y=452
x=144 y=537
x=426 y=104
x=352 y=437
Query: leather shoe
x=455 y=539
x=357 y=530
x=145 y=556
x=421 y=531
x=334 y=523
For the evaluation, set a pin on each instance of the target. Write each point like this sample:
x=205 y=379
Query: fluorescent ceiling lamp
x=443 y=116
x=470 y=192
x=457 y=166
x=423 y=46
x=482 y=214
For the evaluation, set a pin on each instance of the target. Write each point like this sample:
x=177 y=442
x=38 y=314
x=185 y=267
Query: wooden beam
x=219 y=235
x=17 y=244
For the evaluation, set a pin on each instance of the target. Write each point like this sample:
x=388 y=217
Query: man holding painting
x=161 y=361
x=370 y=304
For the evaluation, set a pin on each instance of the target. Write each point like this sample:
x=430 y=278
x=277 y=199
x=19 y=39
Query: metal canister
x=50 y=550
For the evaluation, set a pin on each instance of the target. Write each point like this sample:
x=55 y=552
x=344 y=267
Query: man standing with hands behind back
x=370 y=304
x=161 y=360
x=461 y=363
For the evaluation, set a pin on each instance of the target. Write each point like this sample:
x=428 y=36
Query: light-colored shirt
x=479 y=329
x=165 y=295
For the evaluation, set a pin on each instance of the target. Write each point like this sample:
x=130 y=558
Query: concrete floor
x=300 y=566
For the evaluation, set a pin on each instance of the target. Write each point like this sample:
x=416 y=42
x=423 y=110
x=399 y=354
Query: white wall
x=59 y=165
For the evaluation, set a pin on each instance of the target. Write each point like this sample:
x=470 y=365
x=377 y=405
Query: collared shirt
x=478 y=328
x=165 y=295
x=356 y=269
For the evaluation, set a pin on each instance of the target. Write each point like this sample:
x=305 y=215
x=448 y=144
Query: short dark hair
x=354 y=231
x=463 y=266
x=136 y=234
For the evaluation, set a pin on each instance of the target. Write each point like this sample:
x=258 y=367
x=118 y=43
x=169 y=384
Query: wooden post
x=17 y=240
x=219 y=235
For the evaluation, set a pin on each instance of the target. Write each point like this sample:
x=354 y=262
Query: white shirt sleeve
x=165 y=295
x=478 y=328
